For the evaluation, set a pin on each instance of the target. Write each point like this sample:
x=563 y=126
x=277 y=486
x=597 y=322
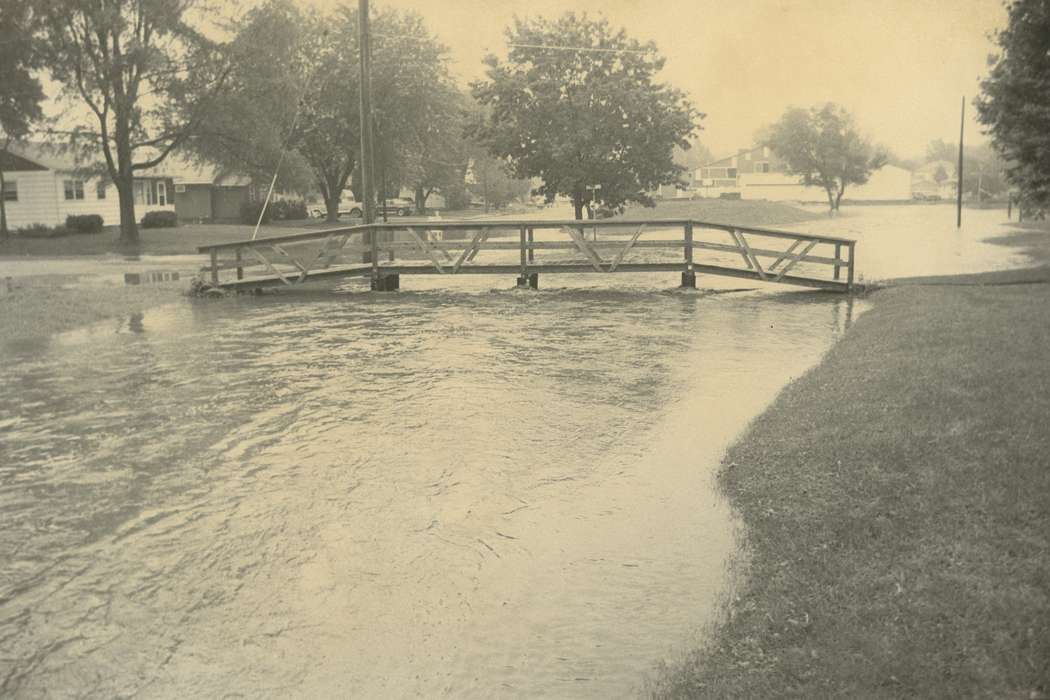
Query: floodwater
x=452 y=491
x=457 y=490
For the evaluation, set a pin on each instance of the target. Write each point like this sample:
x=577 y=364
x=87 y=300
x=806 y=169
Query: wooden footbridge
x=384 y=252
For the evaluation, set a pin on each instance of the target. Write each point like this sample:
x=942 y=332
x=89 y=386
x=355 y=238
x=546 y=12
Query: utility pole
x=367 y=176
x=958 y=206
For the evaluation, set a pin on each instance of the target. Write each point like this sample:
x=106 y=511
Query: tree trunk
x=421 y=200
x=577 y=205
x=331 y=206
x=124 y=179
x=129 y=230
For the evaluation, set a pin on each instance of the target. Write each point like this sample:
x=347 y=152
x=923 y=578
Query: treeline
x=576 y=104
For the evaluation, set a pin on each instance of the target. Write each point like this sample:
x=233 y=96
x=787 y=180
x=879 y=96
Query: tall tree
x=577 y=104
x=274 y=60
x=20 y=91
x=293 y=98
x=1015 y=100
x=823 y=147
x=144 y=69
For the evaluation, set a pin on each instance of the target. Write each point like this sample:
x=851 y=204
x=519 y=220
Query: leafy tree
x=822 y=146
x=493 y=182
x=294 y=99
x=984 y=171
x=249 y=124
x=20 y=91
x=144 y=69
x=1015 y=100
x=585 y=116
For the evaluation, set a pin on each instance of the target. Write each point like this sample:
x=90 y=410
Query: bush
x=250 y=213
x=160 y=219
x=42 y=231
x=287 y=210
x=84 y=223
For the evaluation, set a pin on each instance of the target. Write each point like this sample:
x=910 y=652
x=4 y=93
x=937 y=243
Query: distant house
x=204 y=193
x=44 y=185
x=758 y=173
x=935 y=179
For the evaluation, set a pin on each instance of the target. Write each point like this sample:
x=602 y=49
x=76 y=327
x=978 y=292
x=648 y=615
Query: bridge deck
x=380 y=251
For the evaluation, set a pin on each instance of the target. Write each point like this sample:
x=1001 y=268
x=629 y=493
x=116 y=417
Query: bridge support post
x=532 y=281
x=689 y=279
x=386 y=283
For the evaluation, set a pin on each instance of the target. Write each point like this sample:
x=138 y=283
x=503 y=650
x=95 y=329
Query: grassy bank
x=895 y=506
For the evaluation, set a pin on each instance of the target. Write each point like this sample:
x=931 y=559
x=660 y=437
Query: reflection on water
x=458 y=493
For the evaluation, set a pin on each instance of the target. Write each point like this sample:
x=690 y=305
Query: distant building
x=758 y=173
x=935 y=180
x=44 y=185
x=205 y=193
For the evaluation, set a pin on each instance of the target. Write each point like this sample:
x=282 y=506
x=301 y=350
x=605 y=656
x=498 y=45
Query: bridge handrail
x=517 y=224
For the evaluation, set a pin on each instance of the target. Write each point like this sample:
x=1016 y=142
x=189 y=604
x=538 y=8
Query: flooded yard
x=457 y=490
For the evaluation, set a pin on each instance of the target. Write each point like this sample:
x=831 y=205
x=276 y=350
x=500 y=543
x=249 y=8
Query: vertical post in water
x=849 y=270
x=214 y=266
x=532 y=253
x=688 y=277
x=838 y=257
x=524 y=234
x=367 y=177
x=962 y=123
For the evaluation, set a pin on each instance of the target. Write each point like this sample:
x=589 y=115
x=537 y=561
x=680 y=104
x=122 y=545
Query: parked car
x=355 y=210
x=402 y=206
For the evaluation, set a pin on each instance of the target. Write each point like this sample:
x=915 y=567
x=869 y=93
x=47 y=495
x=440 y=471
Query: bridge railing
x=531 y=247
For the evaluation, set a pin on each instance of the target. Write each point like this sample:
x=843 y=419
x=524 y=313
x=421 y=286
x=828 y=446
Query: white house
x=43 y=185
x=757 y=173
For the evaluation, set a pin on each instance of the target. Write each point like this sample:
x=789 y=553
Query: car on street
x=355 y=210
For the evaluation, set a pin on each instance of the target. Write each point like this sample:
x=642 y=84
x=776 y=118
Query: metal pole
x=958 y=206
x=367 y=178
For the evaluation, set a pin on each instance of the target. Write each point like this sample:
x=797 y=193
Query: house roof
x=194 y=172
x=62 y=159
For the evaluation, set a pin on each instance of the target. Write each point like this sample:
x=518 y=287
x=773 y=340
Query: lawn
x=896 y=508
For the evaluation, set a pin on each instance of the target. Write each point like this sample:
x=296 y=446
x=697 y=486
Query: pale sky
x=901 y=66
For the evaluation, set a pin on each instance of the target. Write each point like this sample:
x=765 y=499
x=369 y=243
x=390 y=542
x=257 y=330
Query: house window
x=140 y=192
x=731 y=172
x=74 y=189
x=11 y=191
x=180 y=189
x=162 y=193
x=100 y=189
x=762 y=167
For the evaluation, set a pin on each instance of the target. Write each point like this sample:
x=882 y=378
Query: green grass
x=896 y=510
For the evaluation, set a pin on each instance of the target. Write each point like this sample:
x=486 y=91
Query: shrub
x=160 y=219
x=287 y=210
x=84 y=223
x=250 y=213
x=42 y=231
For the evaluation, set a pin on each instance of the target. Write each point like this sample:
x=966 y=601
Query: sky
x=901 y=67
